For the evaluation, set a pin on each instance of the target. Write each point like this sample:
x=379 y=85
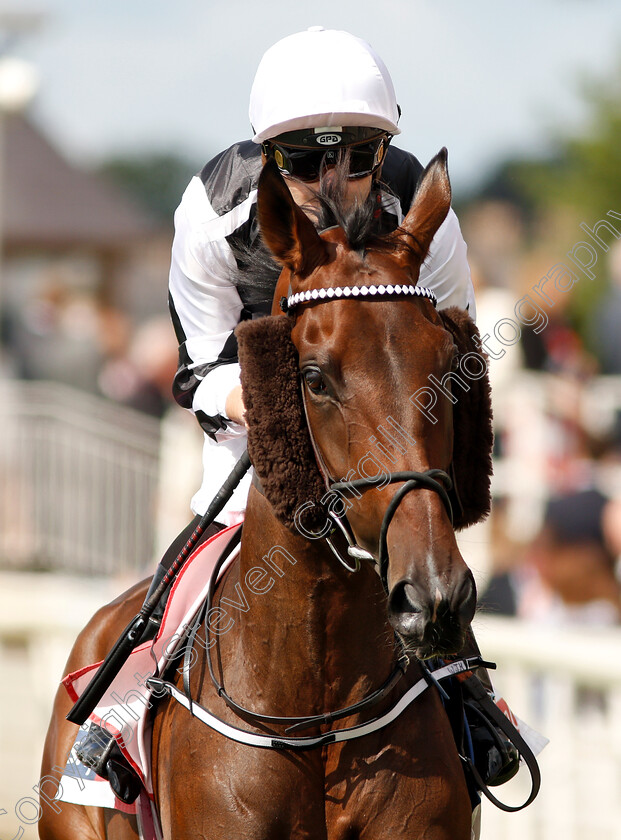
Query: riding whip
x=131 y=635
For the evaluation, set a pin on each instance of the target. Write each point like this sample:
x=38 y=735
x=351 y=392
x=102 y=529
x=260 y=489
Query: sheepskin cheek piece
x=473 y=436
x=279 y=444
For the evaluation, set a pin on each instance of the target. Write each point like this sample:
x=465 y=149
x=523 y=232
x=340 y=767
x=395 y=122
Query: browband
x=289 y=303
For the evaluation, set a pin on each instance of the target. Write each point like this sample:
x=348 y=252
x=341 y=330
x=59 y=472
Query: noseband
x=427 y=480
x=413 y=481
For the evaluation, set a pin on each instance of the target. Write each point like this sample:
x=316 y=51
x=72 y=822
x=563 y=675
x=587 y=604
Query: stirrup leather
x=501 y=766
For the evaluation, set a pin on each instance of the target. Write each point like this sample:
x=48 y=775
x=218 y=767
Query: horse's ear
x=279 y=443
x=287 y=231
x=473 y=436
x=430 y=206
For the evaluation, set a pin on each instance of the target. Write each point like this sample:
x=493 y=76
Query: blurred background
x=106 y=110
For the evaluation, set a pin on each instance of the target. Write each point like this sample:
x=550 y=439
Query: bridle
x=413 y=481
x=433 y=479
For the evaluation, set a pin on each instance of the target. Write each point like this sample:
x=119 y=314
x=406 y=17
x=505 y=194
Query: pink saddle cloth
x=124 y=708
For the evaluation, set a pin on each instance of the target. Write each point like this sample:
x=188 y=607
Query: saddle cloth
x=123 y=710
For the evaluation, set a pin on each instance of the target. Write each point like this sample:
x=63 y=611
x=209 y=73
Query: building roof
x=50 y=203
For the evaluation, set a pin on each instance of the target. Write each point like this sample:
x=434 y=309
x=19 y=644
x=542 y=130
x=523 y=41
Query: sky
x=486 y=78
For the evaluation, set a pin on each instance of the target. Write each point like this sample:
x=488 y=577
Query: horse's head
x=371 y=352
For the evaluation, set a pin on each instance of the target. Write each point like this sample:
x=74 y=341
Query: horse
x=297 y=639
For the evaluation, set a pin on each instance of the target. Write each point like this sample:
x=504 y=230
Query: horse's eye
x=315 y=381
x=455 y=361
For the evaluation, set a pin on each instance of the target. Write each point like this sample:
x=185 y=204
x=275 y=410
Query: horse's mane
x=365 y=230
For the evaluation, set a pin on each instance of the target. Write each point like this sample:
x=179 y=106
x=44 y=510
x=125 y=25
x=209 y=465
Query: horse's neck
x=307 y=617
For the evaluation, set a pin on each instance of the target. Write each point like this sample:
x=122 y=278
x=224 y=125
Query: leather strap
x=473 y=686
x=302 y=742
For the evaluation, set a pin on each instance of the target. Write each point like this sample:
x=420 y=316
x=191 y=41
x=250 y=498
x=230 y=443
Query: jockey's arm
x=446 y=269
x=205 y=309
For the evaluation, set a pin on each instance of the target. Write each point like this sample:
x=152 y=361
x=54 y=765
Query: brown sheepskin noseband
x=473 y=435
x=279 y=443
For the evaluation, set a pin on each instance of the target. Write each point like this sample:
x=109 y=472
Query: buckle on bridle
x=353 y=549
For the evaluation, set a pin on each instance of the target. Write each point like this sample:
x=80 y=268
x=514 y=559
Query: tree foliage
x=583 y=171
x=589 y=176
x=578 y=181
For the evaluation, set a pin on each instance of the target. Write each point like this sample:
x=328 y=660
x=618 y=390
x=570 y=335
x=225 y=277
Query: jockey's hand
x=235 y=409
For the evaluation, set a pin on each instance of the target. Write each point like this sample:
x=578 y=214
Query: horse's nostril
x=406 y=611
x=464 y=599
x=403 y=599
x=433 y=619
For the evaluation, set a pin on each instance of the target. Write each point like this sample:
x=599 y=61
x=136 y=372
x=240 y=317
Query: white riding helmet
x=321 y=77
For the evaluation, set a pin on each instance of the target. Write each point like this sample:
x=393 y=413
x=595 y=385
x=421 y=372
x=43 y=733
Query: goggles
x=307 y=164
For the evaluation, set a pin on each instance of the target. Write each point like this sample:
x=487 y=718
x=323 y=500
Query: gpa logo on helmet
x=328 y=139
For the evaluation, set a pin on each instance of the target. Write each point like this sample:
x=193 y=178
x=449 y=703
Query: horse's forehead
x=352 y=328
x=365 y=265
x=336 y=321
x=344 y=262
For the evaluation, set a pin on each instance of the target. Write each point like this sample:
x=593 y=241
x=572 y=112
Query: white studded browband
x=356 y=292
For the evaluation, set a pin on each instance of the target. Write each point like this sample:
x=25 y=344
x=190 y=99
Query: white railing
x=567 y=685
x=40 y=617
x=78 y=479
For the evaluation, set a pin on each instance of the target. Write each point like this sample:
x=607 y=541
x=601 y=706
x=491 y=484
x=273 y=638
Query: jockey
x=315 y=94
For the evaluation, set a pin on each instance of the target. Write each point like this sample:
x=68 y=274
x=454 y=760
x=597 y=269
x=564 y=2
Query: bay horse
x=333 y=425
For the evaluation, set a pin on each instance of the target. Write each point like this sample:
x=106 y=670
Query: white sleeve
x=446 y=270
x=205 y=304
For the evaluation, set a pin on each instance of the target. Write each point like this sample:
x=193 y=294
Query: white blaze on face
x=436 y=604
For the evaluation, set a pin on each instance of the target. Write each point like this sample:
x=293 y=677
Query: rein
x=294 y=723
x=430 y=679
x=161 y=686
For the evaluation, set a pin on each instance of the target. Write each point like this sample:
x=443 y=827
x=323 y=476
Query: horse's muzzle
x=432 y=620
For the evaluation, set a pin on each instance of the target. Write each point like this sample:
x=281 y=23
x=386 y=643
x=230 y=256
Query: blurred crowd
x=64 y=332
x=555 y=529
